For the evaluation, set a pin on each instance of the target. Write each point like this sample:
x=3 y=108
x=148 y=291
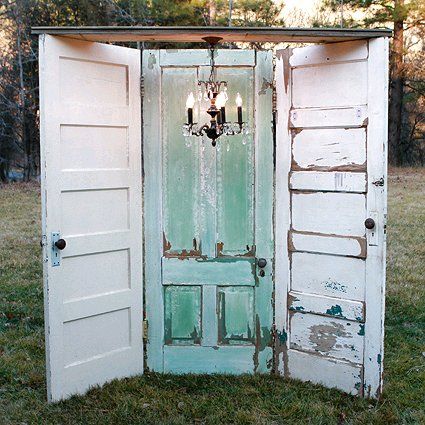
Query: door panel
x=217 y=309
x=91 y=186
x=181 y=172
x=235 y=172
x=329 y=268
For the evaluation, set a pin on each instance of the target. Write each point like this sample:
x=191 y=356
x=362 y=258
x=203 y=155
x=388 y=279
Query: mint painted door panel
x=208 y=308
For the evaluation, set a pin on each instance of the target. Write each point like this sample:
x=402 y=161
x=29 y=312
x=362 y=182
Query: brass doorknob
x=262 y=262
x=369 y=223
x=60 y=244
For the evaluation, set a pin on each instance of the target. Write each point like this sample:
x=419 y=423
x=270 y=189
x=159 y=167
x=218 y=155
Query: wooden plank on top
x=196 y=34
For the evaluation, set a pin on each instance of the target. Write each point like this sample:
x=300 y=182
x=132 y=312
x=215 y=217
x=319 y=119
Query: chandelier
x=214 y=92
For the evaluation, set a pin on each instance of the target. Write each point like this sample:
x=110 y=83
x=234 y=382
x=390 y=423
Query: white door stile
x=152 y=158
x=377 y=151
x=282 y=214
x=91 y=196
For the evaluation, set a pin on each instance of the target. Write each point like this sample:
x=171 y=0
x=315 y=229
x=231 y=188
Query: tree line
x=19 y=118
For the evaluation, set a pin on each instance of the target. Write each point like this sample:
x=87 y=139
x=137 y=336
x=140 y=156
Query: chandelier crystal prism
x=214 y=92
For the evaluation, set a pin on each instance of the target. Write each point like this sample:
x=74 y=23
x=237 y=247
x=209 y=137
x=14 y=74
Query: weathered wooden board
x=328 y=275
x=326 y=244
x=199 y=57
x=328 y=181
x=198 y=272
x=340 y=84
x=327 y=336
x=329 y=149
x=328 y=117
x=329 y=54
x=152 y=213
x=183 y=314
x=331 y=373
x=329 y=213
x=181 y=178
x=328 y=306
x=221 y=359
x=235 y=170
x=197 y=34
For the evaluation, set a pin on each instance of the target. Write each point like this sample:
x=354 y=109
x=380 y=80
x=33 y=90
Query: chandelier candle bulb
x=239 y=105
x=190 y=102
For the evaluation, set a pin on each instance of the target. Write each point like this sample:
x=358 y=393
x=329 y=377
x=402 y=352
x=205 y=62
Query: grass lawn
x=211 y=399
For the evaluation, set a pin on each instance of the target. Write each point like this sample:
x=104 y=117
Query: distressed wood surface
x=199 y=57
x=329 y=149
x=93 y=299
x=329 y=54
x=337 y=151
x=377 y=206
x=329 y=213
x=340 y=84
x=235 y=170
x=328 y=275
x=323 y=305
x=198 y=272
x=282 y=218
x=328 y=181
x=180 y=164
x=327 y=336
x=152 y=213
x=328 y=117
x=326 y=371
x=328 y=244
x=213 y=294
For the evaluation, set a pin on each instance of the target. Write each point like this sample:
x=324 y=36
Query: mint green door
x=208 y=218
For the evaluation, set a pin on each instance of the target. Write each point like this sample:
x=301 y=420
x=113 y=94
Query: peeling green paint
x=335 y=310
x=297 y=308
x=361 y=330
x=379 y=359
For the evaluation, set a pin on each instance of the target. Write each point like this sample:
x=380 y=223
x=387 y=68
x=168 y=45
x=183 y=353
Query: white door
x=91 y=191
x=330 y=178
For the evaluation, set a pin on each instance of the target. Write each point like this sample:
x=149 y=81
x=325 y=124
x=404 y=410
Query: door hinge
x=379 y=182
x=145 y=327
x=142 y=85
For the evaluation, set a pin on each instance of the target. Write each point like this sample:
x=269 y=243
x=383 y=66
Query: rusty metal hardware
x=60 y=244
x=369 y=223
x=262 y=262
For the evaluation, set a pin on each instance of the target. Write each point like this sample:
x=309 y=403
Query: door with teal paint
x=208 y=218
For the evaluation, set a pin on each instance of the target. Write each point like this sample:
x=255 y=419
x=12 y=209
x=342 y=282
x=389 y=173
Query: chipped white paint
x=327 y=336
x=328 y=275
x=329 y=306
x=91 y=186
x=376 y=203
x=326 y=244
x=325 y=371
x=330 y=148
